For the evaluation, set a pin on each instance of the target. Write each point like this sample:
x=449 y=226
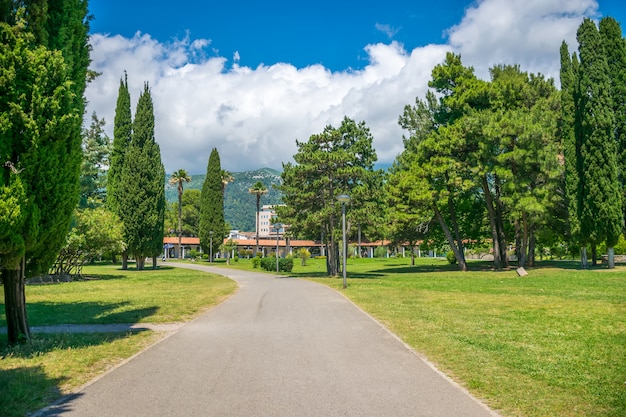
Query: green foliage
x=336 y=161
x=239 y=208
x=451 y=257
x=304 y=256
x=381 y=252
x=212 y=205
x=122 y=135
x=95 y=232
x=284 y=264
x=600 y=209
x=96 y=149
x=141 y=193
x=256 y=262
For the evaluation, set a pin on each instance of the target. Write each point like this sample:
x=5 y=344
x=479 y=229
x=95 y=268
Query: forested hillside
x=239 y=204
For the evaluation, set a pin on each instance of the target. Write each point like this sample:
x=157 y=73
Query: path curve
x=279 y=347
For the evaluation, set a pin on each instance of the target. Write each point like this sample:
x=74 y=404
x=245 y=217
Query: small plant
x=256 y=262
x=193 y=254
x=304 y=255
x=451 y=258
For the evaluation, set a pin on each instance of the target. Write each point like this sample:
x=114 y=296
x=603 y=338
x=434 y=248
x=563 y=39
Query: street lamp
x=211 y=247
x=277 y=227
x=343 y=199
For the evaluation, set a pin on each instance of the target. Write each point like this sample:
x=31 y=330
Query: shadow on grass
x=44 y=313
x=355 y=275
x=26 y=389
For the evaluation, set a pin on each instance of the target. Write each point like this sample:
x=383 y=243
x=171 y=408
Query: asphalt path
x=278 y=347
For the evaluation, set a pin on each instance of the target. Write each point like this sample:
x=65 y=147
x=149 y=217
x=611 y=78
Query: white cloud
x=525 y=32
x=253 y=115
x=388 y=30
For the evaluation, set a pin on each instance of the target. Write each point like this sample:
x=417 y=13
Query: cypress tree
x=122 y=132
x=571 y=146
x=615 y=48
x=40 y=153
x=212 y=206
x=599 y=197
x=141 y=186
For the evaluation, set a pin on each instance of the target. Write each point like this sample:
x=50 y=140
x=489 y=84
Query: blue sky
x=331 y=33
x=251 y=77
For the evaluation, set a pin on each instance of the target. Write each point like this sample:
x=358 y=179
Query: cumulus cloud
x=524 y=32
x=254 y=115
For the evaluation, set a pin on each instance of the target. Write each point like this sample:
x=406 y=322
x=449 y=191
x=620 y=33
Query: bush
x=205 y=256
x=256 y=262
x=380 y=252
x=236 y=258
x=303 y=254
x=284 y=265
x=193 y=254
x=451 y=258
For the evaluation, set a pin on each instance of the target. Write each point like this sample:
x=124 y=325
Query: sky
x=250 y=78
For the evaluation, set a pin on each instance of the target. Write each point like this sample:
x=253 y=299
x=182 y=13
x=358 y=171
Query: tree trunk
x=500 y=224
x=360 y=241
x=455 y=226
x=532 y=243
x=594 y=254
x=497 y=261
x=611 y=257
x=459 y=256
x=583 y=257
x=124 y=260
x=521 y=253
x=154 y=262
x=18 y=330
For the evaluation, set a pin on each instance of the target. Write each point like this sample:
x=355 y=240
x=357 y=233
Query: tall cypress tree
x=40 y=155
x=571 y=147
x=599 y=196
x=141 y=187
x=615 y=48
x=122 y=132
x=212 y=206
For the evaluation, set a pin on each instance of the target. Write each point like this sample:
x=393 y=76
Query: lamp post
x=343 y=199
x=211 y=247
x=277 y=227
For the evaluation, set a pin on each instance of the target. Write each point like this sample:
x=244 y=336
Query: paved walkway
x=278 y=347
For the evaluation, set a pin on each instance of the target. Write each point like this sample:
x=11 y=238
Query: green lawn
x=33 y=376
x=549 y=344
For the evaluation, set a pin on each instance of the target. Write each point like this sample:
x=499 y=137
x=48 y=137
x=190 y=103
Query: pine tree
x=96 y=149
x=212 y=225
x=599 y=196
x=141 y=186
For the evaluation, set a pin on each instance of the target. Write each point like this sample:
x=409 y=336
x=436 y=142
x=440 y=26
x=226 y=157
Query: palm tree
x=178 y=178
x=226 y=178
x=258 y=189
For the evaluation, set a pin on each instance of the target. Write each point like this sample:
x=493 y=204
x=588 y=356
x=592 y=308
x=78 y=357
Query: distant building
x=266 y=220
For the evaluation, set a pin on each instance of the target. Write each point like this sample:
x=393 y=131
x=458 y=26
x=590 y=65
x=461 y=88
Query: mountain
x=239 y=204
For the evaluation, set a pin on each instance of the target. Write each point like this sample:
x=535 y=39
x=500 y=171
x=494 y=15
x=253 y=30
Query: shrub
x=304 y=255
x=205 y=256
x=380 y=252
x=193 y=254
x=284 y=265
x=256 y=262
x=451 y=258
x=236 y=258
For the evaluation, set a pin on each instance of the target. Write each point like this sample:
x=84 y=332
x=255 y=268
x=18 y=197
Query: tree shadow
x=47 y=313
x=26 y=389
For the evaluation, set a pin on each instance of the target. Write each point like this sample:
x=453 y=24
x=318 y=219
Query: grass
x=549 y=344
x=53 y=365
